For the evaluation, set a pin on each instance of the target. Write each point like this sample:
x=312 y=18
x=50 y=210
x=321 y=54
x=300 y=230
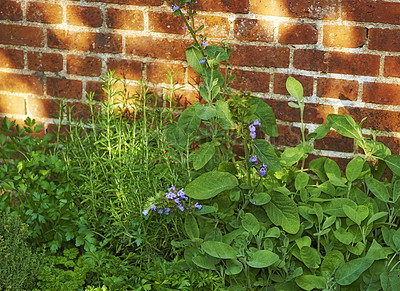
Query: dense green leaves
x=265 y=115
x=266 y=153
x=262 y=259
x=219 y=250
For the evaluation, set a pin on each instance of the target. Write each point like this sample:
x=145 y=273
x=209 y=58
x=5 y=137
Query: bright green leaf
x=262 y=259
x=219 y=250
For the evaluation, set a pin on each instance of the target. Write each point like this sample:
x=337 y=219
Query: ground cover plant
x=145 y=195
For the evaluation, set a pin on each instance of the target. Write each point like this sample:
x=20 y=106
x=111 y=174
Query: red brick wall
x=346 y=53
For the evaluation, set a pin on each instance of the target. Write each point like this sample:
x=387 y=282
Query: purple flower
x=253 y=134
x=204 y=43
x=202 y=61
x=167 y=210
x=145 y=212
x=256 y=122
x=175 y=7
x=252 y=128
x=253 y=159
x=184 y=27
x=172 y=188
x=177 y=201
x=262 y=171
x=170 y=195
x=181 y=208
x=198 y=206
x=160 y=211
x=153 y=207
x=181 y=193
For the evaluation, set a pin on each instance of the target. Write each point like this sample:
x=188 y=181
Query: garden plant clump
x=145 y=195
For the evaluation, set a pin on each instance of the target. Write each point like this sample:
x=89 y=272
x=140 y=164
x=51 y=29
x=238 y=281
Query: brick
x=381 y=93
x=337 y=88
x=159 y=48
x=71 y=89
x=260 y=56
x=333 y=141
x=214 y=26
x=131 y=2
x=156 y=72
x=96 y=88
x=165 y=23
x=384 y=39
x=337 y=62
x=84 y=16
x=393 y=143
x=371 y=11
x=254 y=29
x=314 y=9
x=193 y=77
x=48 y=62
x=288 y=136
x=280 y=84
x=84 y=41
x=344 y=36
x=18 y=83
x=376 y=119
x=252 y=81
x=298 y=33
x=392 y=65
x=83 y=65
x=12 y=104
x=45 y=108
x=126 y=69
x=233 y=6
x=10 y=58
x=125 y=19
x=10 y=10
x=44 y=13
x=21 y=35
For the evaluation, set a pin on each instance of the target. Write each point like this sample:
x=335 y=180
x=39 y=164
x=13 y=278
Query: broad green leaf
x=219 y=250
x=205 y=112
x=294 y=88
x=375 y=148
x=233 y=267
x=193 y=57
x=191 y=227
x=329 y=221
x=304 y=241
x=282 y=211
x=332 y=169
x=206 y=209
x=205 y=261
x=352 y=214
x=393 y=163
x=320 y=132
x=396 y=191
x=291 y=156
x=261 y=198
x=354 y=169
x=189 y=121
x=317 y=166
x=310 y=257
x=357 y=249
x=176 y=136
x=319 y=212
x=230 y=236
x=266 y=153
x=363 y=211
x=224 y=114
x=210 y=184
x=262 y=259
x=378 y=189
x=335 y=206
x=390 y=281
x=293 y=105
x=377 y=216
x=265 y=115
x=273 y=232
x=331 y=261
x=345 y=126
x=250 y=223
x=311 y=282
x=216 y=52
x=201 y=157
x=301 y=180
x=343 y=236
x=376 y=251
x=214 y=234
x=351 y=271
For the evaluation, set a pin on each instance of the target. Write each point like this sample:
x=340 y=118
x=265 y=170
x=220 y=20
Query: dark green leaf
x=266 y=153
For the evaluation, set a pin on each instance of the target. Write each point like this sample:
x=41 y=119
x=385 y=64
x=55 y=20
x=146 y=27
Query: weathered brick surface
x=84 y=16
x=254 y=29
x=85 y=66
x=314 y=9
x=214 y=26
x=252 y=81
x=393 y=143
x=67 y=88
x=336 y=88
x=165 y=22
x=344 y=36
x=157 y=72
x=260 y=56
x=280 y=84
x=131 y=2
x=234 y=6
x=12 y=104
x=21 y=35
x=44 y=12
x=125 y=19
x=333 y=141
x=298 y=33
x=288 y=136
x=21 y=83
x=384 y=39
x=127 y=69
x=376 y=119
x=10 y=58
x=84 y=41
x=50 y=62
x=392 y=65
x=371 y=11
x=337 y=62
x=10 y=10
x=162 y=48
x=381 y=93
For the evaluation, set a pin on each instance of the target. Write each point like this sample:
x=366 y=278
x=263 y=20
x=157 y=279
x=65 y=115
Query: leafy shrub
x=19 y=264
